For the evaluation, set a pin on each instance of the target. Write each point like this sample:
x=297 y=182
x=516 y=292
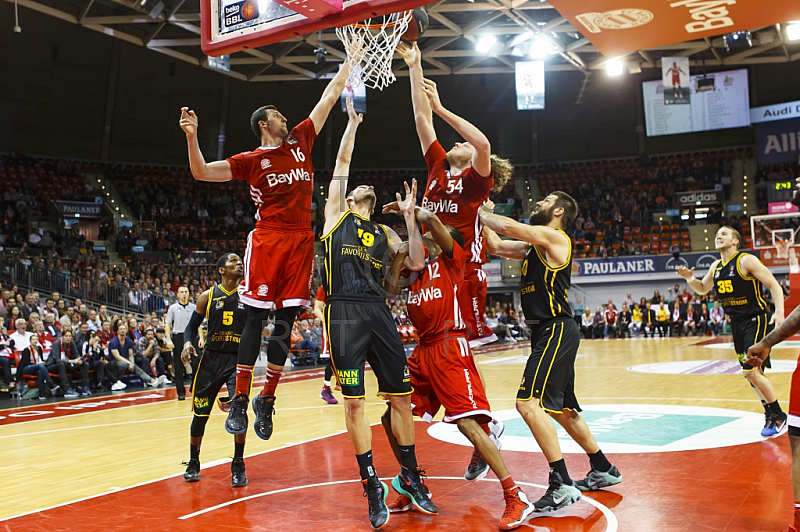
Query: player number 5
x=227 y=317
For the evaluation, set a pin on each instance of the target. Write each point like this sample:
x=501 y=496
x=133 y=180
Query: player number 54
x=453 y=185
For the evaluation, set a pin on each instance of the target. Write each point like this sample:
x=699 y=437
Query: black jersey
x=544 y=288
x=354 y=253
x=739 y=296
x=226 y=316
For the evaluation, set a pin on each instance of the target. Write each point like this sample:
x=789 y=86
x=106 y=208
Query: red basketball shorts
x=472 y=300
x=278 y=269
x=444 y=375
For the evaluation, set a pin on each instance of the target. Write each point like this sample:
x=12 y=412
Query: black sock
x=560 y=467
x=408 y=458
x=238 y=450
x=765 y=405
x=194 y=452
x=365 y=465
x=774 y=408
x=599 y=462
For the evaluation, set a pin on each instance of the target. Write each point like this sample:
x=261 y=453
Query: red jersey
x=281 y=179
x=432 y=298
x=456 y=198
x=611 y=316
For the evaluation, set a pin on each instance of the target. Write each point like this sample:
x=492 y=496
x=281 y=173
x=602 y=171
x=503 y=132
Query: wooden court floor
x=674 y=415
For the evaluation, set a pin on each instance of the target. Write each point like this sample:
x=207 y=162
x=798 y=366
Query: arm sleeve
x=240 y=167
x=190 y=334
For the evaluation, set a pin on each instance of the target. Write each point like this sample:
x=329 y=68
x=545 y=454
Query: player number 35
x=724 y=287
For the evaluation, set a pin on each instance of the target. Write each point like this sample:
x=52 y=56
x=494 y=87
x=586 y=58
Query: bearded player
x=279 y=260
x=442 y=370
x=459 y=181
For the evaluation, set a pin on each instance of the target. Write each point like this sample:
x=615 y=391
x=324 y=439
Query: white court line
x=613 y=523
x=109 y=492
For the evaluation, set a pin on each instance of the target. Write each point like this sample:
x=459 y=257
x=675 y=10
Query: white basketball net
x=370 y=48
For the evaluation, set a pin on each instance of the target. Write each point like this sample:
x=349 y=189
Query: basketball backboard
x=778 y=238
x=229 y=26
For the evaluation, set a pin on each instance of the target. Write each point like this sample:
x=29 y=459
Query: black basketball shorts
x=748 y=332
x=213 y=370
x=549 y=375
x=365 y=332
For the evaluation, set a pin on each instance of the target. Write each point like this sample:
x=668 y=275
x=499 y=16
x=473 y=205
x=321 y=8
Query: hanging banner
x=779 y=141
x=621 y=26
x=675 y=74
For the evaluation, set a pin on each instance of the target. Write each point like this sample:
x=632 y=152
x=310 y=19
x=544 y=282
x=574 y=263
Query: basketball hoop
x=370 y=46
x=782 y=249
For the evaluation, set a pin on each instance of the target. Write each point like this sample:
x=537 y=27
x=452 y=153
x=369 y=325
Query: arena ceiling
x=448 y=46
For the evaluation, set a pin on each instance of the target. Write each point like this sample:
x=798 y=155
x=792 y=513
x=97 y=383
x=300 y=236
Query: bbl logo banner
x=675 y=75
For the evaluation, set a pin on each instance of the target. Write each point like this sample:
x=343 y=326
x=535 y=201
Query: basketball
x=416 y=26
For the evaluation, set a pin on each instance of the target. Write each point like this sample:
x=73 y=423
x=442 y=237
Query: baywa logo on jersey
x=262 y=290
x=443 y=205
x=265 y=163
x=294 y=175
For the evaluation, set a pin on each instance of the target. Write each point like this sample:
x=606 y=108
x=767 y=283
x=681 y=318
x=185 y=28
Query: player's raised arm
x=555 y=241
x=512 y=249
x=481 y=158
x=423 y=115
x=219 y=171
x=755 y=268
x=405 y=208
x=701 y=286
x=440 y=234
x=336 y=204
x=329 y=97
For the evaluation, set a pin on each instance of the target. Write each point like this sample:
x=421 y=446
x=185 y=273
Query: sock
x=408 y=458
x=764 y=404
x=238 y=450
x=508 y=483
x=774 y=408
x=486 y=429
x=271 y=384
x=244 y=379
x=194 y=452
x=560 y=467
x=326 y=384
x=365 y=465
x=599 y=462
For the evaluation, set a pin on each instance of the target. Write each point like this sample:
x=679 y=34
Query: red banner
x=620 y=26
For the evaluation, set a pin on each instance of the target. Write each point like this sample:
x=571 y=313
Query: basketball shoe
x=403 y=503
x=192 y=473
x=596 y=480
x=775 y=425
x=238 y=474
x=478 y=468
x=518 y=508
x=376 y=491
x=327 y=395
x=558 y=495
x=237 y=416
x=412 y=487
x=264 y=407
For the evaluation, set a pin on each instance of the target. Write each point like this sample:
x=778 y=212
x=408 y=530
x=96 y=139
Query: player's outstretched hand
x=406 y=206
x=757 y=354
x=188 y=122
x=410 y=53
x=430 y=90
x=684 y=272
x=351 y=112
x=186 y=354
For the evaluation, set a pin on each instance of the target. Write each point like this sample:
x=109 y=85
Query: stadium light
x=541 y=47
x=793 y=31
x=485 y=43
x=615 y=67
